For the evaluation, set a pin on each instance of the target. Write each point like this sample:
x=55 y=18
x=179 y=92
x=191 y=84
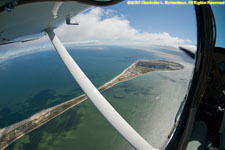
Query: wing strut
x=97 y=99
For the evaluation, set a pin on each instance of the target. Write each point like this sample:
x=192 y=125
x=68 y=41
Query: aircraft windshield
x=138 y=56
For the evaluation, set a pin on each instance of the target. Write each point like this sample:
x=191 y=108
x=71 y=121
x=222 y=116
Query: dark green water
x=39 y=80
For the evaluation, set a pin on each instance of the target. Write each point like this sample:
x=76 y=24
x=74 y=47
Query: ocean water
x=32 y=82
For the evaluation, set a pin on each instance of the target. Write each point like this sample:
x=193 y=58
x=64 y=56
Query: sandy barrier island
x=10 y=134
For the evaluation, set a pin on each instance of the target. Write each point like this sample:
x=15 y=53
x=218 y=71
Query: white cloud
x=98 y=27
x=104 y=25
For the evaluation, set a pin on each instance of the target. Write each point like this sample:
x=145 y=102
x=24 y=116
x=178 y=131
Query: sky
x=156 y=25
x=122 y=24
x=178 y=21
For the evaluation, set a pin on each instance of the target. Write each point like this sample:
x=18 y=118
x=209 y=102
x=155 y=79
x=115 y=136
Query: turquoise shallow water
x=149 y=103
x=40 y=80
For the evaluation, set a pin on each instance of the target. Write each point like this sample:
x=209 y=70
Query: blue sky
x=149 y=24
x=177 y=20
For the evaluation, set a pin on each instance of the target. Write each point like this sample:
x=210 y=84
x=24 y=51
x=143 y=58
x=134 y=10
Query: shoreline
x=12 y=133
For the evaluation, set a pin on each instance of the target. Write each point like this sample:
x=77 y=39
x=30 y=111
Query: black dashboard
x=212 y=106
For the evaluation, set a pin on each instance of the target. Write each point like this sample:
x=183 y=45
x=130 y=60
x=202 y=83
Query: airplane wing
x=29 y=21
x=25 y=20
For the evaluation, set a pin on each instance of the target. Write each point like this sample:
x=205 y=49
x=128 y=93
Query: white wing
x=29 y=21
